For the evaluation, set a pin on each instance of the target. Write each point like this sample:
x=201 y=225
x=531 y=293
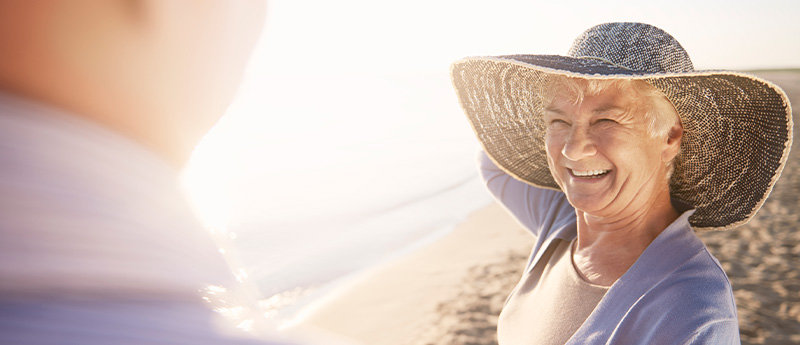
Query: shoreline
x=297 y=309
x=403 y=298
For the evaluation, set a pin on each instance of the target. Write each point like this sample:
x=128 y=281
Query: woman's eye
x=557 y=122
x=606 y=121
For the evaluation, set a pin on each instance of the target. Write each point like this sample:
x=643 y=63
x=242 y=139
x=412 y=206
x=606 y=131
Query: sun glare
x=328 y=90
x=204 y=183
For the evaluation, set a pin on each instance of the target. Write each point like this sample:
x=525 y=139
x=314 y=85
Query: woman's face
x=601 y=154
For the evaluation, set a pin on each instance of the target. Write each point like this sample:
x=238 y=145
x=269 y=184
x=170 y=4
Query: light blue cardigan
x=675 y=293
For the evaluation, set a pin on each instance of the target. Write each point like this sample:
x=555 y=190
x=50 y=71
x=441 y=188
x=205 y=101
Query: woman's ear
x=673 y=142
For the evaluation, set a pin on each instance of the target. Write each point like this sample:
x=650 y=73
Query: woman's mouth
x=588 y=173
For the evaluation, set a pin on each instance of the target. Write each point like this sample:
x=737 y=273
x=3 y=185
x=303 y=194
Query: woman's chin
x=590 y=205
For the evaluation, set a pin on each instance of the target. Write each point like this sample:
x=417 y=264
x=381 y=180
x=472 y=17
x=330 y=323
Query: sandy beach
x=451 y=291
x=423 y=295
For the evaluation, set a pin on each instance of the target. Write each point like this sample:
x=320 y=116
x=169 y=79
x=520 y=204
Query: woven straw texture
x=737 y=127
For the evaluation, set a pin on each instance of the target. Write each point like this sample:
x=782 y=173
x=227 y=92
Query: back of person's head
x=161 y=72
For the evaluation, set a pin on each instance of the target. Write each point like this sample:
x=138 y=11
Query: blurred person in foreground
x=613 y=156
x=101 y=103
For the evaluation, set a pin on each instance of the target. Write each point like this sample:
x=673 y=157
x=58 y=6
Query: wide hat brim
x=737 y=128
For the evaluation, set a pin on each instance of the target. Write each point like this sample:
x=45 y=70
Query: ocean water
x=292 y=271
x=313 y=193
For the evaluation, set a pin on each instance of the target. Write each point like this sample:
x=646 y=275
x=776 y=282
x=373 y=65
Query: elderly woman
x=612 y=157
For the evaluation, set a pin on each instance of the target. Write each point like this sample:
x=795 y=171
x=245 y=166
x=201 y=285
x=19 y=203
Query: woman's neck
x=607 y=247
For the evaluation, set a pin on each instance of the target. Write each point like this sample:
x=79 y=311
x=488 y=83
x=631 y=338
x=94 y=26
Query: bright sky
x=414 y=36
x=335 y=85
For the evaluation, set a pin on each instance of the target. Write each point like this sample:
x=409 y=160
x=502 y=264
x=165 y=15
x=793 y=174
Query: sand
x=450 y=292
x=405 y=302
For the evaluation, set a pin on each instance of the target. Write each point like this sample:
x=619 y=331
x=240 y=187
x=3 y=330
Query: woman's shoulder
x=692 y=304
x=678 y=288
x=696 y=283
x=693 y=299
x=701 y=284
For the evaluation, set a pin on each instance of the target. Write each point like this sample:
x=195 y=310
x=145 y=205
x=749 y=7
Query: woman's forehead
x=561 y=90
x=607 y=100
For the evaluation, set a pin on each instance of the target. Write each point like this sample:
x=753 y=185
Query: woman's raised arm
x=535 y=208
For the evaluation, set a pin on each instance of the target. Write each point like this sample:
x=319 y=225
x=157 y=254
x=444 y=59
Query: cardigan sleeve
x=537 y=209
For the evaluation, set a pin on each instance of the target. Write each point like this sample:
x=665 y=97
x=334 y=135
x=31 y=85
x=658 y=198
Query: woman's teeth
x=589 y=173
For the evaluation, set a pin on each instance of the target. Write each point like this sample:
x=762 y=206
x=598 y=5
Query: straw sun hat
x=737 y=127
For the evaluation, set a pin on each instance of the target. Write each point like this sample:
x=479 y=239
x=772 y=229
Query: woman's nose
x=578 y=144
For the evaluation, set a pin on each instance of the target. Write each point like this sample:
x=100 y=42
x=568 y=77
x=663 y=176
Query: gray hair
x=659 y=111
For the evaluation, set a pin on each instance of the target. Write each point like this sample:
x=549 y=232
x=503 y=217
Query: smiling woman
x=579 y=150
x=607 y=145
